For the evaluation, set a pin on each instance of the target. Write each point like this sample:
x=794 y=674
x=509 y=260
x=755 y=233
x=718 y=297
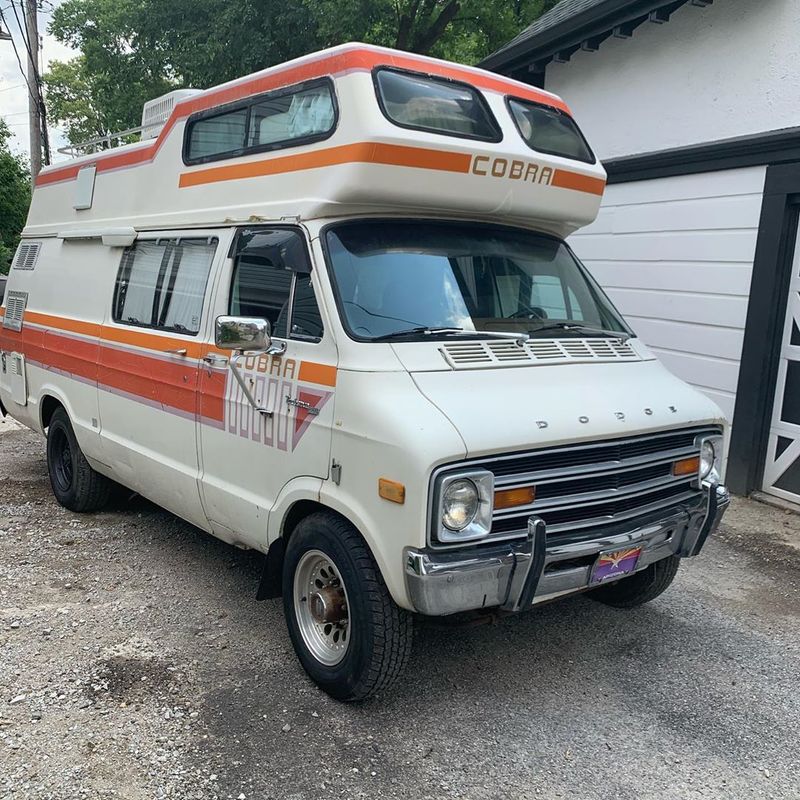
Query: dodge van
x=328 y=312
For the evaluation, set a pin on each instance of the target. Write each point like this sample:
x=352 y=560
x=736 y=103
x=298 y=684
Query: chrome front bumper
x=515 y=575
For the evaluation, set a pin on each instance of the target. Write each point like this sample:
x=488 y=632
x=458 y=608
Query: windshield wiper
x=425 y=330
x=588 y=329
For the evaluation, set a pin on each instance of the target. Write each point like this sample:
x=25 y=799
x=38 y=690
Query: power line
x=16 y=53
x=15 y=86
x=38 y=100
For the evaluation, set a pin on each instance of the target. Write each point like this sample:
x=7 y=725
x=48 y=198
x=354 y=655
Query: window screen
x=549 y=130
x=434 y=104
x=284 y=118
x=162 y=284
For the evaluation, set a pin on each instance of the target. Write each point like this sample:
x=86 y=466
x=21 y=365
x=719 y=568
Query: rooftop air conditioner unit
x=155 y=113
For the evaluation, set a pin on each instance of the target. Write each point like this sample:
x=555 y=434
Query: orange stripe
x=323 y=374
x=63 y=323
x=356 y=59
x=150 y=341
x=372 y=153
x=366 y=152
x=565 y=179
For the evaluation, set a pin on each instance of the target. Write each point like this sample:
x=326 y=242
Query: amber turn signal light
x=391 y=490
x=509 y=498
x=687 y=466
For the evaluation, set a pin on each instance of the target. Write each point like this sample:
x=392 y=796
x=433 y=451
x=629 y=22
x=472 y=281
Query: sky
x=13 y=92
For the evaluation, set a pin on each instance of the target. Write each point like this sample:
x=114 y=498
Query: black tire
x=642 y=587
x=380 y=631
x=75 y=484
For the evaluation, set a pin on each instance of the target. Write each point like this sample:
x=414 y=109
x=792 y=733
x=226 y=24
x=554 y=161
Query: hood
x=510 y=409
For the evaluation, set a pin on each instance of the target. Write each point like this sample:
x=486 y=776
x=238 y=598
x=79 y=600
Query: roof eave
x=598 y=21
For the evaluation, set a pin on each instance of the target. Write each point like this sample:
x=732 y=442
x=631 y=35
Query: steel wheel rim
x=321 y=607
x=62 y=462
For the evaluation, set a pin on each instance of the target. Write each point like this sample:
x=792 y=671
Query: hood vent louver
x=500 y=353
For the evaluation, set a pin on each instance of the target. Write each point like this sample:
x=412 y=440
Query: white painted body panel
x=150 y=194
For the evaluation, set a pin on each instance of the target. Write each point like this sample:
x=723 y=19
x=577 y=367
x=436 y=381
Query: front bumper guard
x=515 y=575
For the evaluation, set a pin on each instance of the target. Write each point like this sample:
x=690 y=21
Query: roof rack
x=155 y=114
x=101 y=143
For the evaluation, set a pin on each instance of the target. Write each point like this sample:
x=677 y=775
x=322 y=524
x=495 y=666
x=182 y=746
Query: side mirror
x=253 y=334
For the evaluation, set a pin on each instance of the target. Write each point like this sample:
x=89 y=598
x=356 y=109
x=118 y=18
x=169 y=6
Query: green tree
x=134 y=50
x=15 y=197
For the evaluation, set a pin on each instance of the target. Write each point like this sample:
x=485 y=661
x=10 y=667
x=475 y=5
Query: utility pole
x=34 y=107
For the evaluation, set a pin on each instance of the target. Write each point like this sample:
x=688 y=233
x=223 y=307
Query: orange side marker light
x=392 y=491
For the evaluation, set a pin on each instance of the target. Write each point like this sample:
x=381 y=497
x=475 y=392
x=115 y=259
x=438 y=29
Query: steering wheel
x=534 y=312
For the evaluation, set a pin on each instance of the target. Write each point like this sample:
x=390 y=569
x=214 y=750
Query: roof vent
x=15 y=310
x=155 y=113
x=27 y=253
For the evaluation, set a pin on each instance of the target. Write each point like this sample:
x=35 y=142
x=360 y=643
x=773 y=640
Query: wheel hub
x=321 y=607
x=328 y=604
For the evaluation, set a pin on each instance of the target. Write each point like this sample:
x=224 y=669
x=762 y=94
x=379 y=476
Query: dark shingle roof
x=555 y=16
x=572 y=22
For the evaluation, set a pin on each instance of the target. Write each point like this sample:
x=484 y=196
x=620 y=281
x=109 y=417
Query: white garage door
x=676 y=255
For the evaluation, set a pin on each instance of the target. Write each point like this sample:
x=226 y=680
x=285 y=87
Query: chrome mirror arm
x=274 y=348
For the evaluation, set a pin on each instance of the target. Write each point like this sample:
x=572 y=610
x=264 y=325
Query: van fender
x=325 y=494
x=50 y=390
x=384 y=540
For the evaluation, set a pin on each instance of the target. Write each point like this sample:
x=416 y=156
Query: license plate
x=615 y=564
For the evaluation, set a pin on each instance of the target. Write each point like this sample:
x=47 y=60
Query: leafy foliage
x=15 y=197
x=134 y=50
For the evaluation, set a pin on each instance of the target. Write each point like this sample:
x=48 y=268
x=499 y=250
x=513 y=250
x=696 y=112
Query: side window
x=162 y=284
x=287 y=117
x=272 y=279
x=261 y=289
x=306 y=320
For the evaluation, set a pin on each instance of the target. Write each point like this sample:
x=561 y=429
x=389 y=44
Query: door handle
x=178 y=351
x=214 y=360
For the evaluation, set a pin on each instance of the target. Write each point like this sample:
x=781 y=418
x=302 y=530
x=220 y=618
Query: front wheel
x=639 y=588
x=350 y=636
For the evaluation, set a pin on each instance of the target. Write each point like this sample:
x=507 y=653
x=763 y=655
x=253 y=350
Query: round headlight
x=460 y=503
x=708 y=456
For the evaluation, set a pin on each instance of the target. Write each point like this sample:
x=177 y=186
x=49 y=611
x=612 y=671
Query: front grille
x=582 y=487
x=614 y=452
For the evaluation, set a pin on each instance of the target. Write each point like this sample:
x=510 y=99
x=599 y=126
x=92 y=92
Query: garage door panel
x=726 y=245
x=725 y=278
x=714 y=342
x=703 y=309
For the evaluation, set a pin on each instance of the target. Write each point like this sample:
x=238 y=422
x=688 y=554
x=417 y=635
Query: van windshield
x=419 y=279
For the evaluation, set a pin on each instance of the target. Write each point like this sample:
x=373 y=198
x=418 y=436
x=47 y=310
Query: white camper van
x=327 y=311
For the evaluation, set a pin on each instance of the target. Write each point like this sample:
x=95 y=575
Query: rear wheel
x=350 y=636
x=642 y=587
x=75 y=484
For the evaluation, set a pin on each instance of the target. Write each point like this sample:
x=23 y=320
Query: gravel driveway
x=136 y=663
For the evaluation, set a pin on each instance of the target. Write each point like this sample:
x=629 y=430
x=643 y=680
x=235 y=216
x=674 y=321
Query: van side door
x=248 y=456
x=149 y=366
